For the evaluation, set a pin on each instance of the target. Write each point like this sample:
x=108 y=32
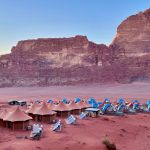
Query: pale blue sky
x=97 y=19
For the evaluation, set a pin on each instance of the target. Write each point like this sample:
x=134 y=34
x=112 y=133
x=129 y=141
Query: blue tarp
x=50 y=101
x=106 y=100
x=77 y=100
x=91 y=101
x=148 y=102
x=99 y=103
x=135 y=105
x=106 y=106
x=135 y=101
x=120 y=107
x=121 y=101
x=64 y=100
x=95 y=105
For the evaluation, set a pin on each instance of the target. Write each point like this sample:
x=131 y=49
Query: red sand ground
x=131 y=132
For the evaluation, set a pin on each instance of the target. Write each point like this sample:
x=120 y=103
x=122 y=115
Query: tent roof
x=83 y=104
x=74 y=105
x=33 y=108
x=44 y=110
x=51 y=106
x=17 y=115
x=61 y=107
x=3 y=113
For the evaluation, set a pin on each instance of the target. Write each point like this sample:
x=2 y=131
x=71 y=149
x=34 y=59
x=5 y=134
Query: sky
x=31 y=19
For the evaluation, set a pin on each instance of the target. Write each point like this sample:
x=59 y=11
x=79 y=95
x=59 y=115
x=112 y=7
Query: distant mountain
x=76 y=60
x=132 y=45
x=54 y=61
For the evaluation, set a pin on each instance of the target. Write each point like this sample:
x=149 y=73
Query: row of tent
x=120 y=106
x=19 y=119
x=92 y=102
x=47 y=112
x=61 y=109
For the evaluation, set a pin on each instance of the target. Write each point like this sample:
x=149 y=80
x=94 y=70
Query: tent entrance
x=39 y=118
x=9 y=124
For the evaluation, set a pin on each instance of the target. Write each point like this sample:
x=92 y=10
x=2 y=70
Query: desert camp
x=74 y=75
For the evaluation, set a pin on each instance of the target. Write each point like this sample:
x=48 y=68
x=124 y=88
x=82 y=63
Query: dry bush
x=109 y=145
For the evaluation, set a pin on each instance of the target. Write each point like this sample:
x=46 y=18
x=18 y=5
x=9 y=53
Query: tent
x=44 y=114
x=120 y=101
x=135 y=101
x=50 y=101
x=17 y=119
x=62 y=110
x=148 y=102
x=83 y=105
x=51 y=106
x=65 y=101
x=75 y=109
x=2 y=115
x=93 y=112
x=33 y=109
x=107 y=100
x=77 y=100
x=91 y=101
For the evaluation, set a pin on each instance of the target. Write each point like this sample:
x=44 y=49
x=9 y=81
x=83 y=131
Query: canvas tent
x=75 y=109
x=17 y=119
x=44 y=114
x=2 y=115
x=32 y=110
x=83 y=105
x=62 y=110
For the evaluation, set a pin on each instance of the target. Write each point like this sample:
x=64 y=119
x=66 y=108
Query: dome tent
x=17 y=119
x=62 y=110
x=2 y=115
x=32 y=110
x=44 y=114
x=83 y=105
x=75 y=109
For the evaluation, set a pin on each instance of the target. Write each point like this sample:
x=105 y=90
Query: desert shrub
x=109 y=145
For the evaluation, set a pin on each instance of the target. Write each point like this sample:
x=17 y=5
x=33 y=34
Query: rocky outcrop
x=133 y=35
x=55 y=61
x=132 y=45
x=76 y=60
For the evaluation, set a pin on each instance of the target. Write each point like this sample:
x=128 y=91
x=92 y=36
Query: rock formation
x=133 y=35
x=54 y=61
x=132 y=45
x=76 y=60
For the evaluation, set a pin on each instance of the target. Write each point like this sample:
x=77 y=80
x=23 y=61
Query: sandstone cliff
x=55 y=61
x=76 y=60
x=133 y=34
x=132 y=45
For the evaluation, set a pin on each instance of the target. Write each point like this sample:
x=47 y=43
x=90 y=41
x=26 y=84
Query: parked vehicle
x=16 y=102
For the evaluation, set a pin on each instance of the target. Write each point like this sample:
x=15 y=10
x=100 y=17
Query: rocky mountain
x=76 y=60
x=54 y=61
x=133 y=34
x=132 y=45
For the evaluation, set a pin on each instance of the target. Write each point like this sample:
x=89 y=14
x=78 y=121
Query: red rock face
x=132 y=45
x=75 y=60
x=57 y=61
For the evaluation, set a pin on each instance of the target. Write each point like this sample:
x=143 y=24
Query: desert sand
x=130 y=132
